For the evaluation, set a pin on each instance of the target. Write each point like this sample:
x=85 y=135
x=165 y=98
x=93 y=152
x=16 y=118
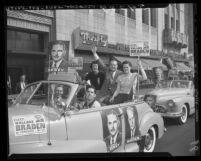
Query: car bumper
x=170 y=114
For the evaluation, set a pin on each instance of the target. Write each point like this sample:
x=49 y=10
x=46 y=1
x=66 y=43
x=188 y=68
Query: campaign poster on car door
x=132 y=133
x=112 y=128
x=57 y=60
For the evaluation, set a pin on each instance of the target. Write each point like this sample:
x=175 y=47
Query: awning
x=147 y=64
x=154 y=63
x=182 y=67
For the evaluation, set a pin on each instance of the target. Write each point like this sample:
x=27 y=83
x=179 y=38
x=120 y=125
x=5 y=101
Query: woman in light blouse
x=126 y=82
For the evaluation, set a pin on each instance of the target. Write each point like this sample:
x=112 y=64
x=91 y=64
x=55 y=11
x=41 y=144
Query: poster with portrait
x=57 y=57
x=112 y=128
x=132 y=133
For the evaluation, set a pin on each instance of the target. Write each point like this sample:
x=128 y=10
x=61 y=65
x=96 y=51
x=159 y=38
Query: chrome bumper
x=170 y=115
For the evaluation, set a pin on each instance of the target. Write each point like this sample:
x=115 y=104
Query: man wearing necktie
x=58 y=53
x=113 y=141
x=111 y=74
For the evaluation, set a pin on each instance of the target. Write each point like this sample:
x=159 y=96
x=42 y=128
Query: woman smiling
x=126 y=82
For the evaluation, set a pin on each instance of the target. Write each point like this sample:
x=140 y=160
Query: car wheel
x=184 y=115
x=150 y=140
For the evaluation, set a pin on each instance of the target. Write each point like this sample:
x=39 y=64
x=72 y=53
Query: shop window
x=24 y=41
x=131 y=13
x=145 y=16
x=153 y=17
x=177 y=25
x=172 y=23
x=120 y=11
x=166 y=21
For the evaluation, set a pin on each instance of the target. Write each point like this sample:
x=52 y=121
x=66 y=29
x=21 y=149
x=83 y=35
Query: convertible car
x=39 y=124
x=173 y=99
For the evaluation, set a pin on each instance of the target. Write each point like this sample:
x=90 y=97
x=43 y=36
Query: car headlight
x=171 y=103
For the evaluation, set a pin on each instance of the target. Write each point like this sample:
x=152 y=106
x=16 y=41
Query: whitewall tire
x=150 y=140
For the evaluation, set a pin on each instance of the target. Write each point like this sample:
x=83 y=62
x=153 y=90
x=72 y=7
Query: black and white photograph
x=103 y=79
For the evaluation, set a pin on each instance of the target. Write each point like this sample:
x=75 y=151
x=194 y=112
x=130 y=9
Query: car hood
x=27 y=123
x=168 y=92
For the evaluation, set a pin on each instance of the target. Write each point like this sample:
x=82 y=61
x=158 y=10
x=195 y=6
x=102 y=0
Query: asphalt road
x=178 y=139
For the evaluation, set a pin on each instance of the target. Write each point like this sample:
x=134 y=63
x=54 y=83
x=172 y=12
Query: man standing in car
x=111 y=74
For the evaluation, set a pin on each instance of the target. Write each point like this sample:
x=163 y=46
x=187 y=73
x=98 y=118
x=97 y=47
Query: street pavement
x=179 y=139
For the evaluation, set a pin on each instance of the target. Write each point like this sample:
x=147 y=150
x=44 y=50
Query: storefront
x=28 y=34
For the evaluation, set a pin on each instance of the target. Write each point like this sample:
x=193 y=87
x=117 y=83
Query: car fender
x=59 y=146
x=180 y=101
x=150 y=119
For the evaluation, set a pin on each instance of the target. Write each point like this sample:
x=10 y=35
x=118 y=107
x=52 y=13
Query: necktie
x=112 y=140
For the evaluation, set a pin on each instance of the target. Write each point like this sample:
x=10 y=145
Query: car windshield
x=163 y=84
x=44 y=93
x=180 y=84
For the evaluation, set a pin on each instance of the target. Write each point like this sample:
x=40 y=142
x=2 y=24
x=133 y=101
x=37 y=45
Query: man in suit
x=57 y=101
x=113 y=141
x=21 y=84
x=111 y=74
x=58 y=62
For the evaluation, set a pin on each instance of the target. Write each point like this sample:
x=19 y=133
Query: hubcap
x=149 y=140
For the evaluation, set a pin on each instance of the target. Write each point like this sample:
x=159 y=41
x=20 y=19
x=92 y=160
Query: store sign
x=140 y=49
x=90 y=38
x=75 y=63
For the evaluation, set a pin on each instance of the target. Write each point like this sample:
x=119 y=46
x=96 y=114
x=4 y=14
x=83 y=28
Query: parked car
x=173 y=99
x=37 y=126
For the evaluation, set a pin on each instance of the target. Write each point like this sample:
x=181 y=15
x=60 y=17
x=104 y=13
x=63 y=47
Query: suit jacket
x=62 y=65
x=18 y=87
x=109 y=85
x=118 y=141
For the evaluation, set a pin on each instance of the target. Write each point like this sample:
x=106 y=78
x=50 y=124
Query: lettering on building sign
x=30 y=17
x=27 y=25
x=93 y=38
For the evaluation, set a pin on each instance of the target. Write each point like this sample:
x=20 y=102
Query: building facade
x=28 y=34
x=111 y=30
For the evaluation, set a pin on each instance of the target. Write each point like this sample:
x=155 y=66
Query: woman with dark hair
x=127 y=82
x=96 y=77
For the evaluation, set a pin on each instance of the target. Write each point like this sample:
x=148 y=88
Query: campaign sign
x=140 y=49
x=112 y=128
x=57 y=60
x=131 y=124
x=29 y=124
x=75 y=63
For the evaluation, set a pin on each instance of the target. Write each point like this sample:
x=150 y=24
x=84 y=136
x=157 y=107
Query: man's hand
x=139 y=63
x=94 y=49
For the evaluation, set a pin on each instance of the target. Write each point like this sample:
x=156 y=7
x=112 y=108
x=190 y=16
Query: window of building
x=177 y=25
x=172 y=23
x=153 y=17
x=24 y=41
x=120 y=11
x=131 y=13
x=166 y=21
x=145 y=16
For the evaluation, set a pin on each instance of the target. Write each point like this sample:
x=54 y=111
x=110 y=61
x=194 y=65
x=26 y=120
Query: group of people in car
x=108 y=85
